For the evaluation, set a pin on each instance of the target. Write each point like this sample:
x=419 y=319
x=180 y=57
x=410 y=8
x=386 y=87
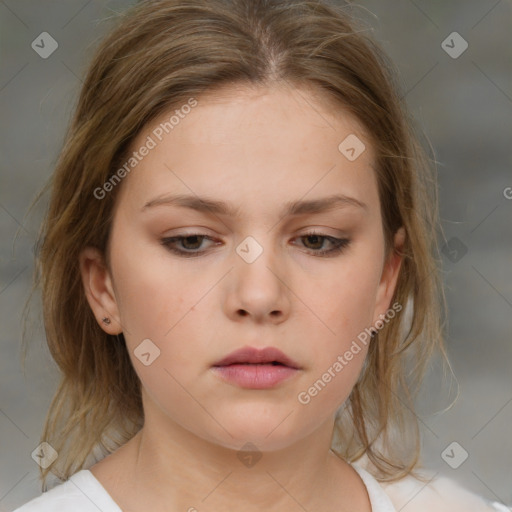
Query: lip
x=256 y=369
x=250 y=355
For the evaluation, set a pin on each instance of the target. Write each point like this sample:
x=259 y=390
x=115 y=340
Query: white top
x=83 y=493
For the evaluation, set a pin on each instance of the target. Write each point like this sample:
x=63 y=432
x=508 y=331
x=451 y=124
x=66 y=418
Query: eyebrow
x=300 y=207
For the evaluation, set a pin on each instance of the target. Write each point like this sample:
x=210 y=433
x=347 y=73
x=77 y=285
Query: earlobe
x=99 y=290
x=390 y=274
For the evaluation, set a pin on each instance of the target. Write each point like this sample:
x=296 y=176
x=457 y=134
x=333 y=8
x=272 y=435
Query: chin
x=264 y=429
x=256 y=441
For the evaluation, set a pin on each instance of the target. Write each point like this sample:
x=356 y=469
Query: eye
x=190 y=242
x=187 y=246
x=316 y=240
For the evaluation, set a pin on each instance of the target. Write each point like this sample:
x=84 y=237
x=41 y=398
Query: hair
x=160 y=54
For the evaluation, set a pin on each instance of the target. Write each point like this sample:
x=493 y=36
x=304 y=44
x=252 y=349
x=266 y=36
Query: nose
x=259 y=286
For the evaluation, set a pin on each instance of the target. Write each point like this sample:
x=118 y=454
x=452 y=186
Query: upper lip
x=250 y=355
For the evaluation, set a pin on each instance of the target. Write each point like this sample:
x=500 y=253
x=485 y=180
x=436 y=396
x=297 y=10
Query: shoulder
x=81 y=493
x=441 y=494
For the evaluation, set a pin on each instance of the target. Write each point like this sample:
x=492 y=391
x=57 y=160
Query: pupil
x=188 y=238
x=316 y=239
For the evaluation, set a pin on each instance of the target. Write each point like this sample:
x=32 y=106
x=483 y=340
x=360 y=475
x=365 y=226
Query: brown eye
x=315 y=241
x=192 y=240
x=189 y=244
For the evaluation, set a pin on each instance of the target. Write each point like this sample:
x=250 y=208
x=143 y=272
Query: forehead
x=253 y=146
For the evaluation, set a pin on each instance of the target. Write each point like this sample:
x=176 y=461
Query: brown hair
x=162 y=53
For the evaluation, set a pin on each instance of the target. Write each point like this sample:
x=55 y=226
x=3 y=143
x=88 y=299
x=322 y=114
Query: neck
x=167 y=467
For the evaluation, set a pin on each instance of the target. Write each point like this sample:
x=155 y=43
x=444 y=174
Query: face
x=269 y=263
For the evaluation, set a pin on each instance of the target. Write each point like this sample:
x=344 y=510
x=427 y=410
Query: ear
x=99 y=290
x=389 y=276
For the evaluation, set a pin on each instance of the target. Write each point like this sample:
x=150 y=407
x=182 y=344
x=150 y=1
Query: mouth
x=252 y=356
x=256 y=369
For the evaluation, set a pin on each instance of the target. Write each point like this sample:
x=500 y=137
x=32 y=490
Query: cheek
x=331 y=380
x=152 y=293
x=168 y=306
x=347 y=301
x=345 y=304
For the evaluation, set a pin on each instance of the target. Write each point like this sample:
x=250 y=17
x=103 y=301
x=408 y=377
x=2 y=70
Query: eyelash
x=340 y=244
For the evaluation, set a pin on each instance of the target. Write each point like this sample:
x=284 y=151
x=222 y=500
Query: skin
x=256 y=148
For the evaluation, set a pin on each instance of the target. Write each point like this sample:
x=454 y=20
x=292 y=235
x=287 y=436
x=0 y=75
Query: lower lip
x=255 y=376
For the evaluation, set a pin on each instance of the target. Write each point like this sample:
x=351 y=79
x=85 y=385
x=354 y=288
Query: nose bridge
x=258 y=283
x=258 y=255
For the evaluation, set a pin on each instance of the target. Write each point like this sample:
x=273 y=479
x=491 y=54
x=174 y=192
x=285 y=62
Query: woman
x=238 y=267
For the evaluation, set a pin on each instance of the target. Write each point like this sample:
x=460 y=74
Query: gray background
x=464 y=106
